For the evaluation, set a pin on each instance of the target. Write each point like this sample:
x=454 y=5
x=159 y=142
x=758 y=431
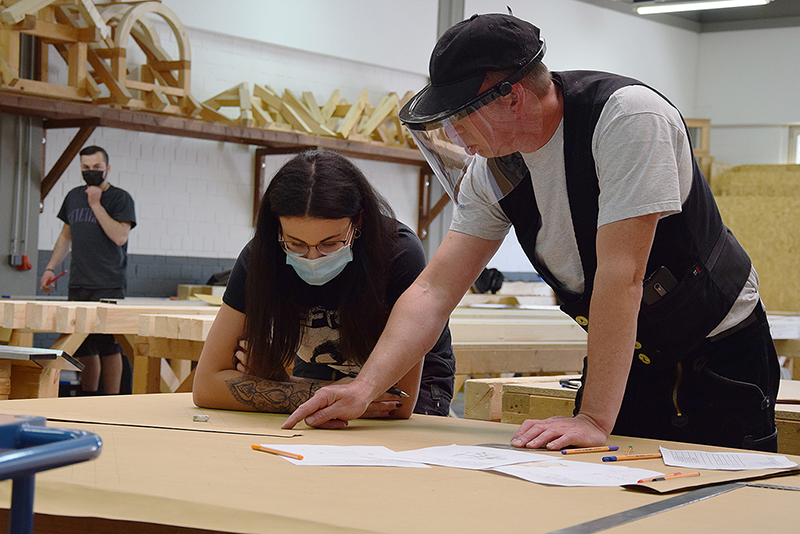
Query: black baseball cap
x=463 y=56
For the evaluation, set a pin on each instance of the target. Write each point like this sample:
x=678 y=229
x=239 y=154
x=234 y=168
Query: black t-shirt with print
x=96 y=262
x=319 y=350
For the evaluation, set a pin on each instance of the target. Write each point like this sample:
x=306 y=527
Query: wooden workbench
x=534 y=341
x=20 y=319
x=161 y=472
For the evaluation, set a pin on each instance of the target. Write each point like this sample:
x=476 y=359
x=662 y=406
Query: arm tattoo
x=270 y=396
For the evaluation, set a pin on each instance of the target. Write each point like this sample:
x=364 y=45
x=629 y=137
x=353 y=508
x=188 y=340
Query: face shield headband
x=454 y=144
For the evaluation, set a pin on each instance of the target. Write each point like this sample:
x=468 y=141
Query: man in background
x=97 y=220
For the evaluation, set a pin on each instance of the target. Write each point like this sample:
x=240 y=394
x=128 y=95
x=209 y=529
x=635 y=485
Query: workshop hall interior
x=209 y=321
x=196 y=190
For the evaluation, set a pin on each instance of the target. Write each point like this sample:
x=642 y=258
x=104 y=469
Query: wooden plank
x=116 y=319
x=51 y=31
x=478 y=330
x=14 y=313
x=380 y=114
x=330 y=106
x=483 y=397
x=267 y=95
x=50 y=89
x=16 y=13
x=182 y=349
x=517 y=407
x=86 y=318
x=261 y=116
x=93 y=17
x=77 y=74
x=66 y=157
x=353 y=115
x=69 y=343
x=146 y=375
x=149 y=86
x=311 y=105
x=474 y=358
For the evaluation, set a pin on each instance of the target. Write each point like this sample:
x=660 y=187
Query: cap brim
x=434 y=101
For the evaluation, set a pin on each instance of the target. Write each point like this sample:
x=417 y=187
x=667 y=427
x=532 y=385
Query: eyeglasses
x=296 y=248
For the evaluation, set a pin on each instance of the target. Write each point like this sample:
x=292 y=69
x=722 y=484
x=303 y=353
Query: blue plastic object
x=27 y=446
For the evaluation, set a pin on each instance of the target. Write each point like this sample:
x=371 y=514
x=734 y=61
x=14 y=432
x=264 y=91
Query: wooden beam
x=426 y=214
x=13 y=14
x=60 y=33
x=66 y=158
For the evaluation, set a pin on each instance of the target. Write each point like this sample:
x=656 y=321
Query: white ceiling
x=777 y=14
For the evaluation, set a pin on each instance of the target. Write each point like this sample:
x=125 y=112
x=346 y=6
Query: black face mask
x=93 y=177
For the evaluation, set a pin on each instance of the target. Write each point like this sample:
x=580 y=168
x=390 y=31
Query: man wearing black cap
x=596 y=174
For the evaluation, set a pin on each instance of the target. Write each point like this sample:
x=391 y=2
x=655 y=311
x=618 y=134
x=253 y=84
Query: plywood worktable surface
x=160 y=471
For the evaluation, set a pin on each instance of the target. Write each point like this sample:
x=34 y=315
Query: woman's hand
x=240 y=356
x=383 y=406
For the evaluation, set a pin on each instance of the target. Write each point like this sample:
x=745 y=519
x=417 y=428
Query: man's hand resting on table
x=556 y=433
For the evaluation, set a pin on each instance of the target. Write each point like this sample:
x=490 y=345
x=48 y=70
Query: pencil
x=59 y=276
x=276 y=451
x=670 y=477
x=631 y=457
x=590 y=449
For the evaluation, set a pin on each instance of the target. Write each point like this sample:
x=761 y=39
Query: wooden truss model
x=93 y=40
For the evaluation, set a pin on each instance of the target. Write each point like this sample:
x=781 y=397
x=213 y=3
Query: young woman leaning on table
x=309 y=296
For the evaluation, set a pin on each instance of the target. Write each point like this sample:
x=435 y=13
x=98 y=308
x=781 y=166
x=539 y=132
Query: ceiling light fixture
x=676 y=7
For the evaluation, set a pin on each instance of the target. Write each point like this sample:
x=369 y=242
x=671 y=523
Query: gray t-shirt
x=643 y=161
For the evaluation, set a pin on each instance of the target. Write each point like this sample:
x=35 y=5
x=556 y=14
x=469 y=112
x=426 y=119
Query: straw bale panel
x=768 y=227
x=762 y=180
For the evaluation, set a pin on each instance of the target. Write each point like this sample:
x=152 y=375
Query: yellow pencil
x=276 y=451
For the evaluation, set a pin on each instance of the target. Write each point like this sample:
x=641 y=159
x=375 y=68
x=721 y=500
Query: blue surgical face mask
x=320 y=271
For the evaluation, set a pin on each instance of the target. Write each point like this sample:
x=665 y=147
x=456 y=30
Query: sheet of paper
x=724 y=461
x=332 y=455
x=470 y=457
x=570 y=473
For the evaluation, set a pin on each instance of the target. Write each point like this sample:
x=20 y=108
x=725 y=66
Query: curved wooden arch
x=144 y=28
x=138 y=13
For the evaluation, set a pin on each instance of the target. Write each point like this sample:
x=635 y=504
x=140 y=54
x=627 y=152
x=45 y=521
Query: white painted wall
x=397 y=35
x=749 y=86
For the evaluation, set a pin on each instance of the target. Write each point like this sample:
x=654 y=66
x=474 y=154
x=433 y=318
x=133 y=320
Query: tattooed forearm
x=269 y=395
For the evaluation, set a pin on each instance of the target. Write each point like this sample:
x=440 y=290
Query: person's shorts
x=96 y=344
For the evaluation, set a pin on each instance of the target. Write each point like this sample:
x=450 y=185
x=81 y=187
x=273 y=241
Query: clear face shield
x=461 y=146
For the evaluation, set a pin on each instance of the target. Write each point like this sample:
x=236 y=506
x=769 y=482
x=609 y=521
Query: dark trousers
x=722 y=393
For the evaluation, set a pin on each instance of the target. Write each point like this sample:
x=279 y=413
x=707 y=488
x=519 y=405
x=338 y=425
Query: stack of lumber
x=761 y=205
x=265 y=108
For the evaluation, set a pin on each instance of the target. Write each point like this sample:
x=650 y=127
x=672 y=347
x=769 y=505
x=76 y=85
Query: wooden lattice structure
x=93 y=41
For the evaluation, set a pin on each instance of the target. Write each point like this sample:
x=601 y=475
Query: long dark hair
x=325 y=185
